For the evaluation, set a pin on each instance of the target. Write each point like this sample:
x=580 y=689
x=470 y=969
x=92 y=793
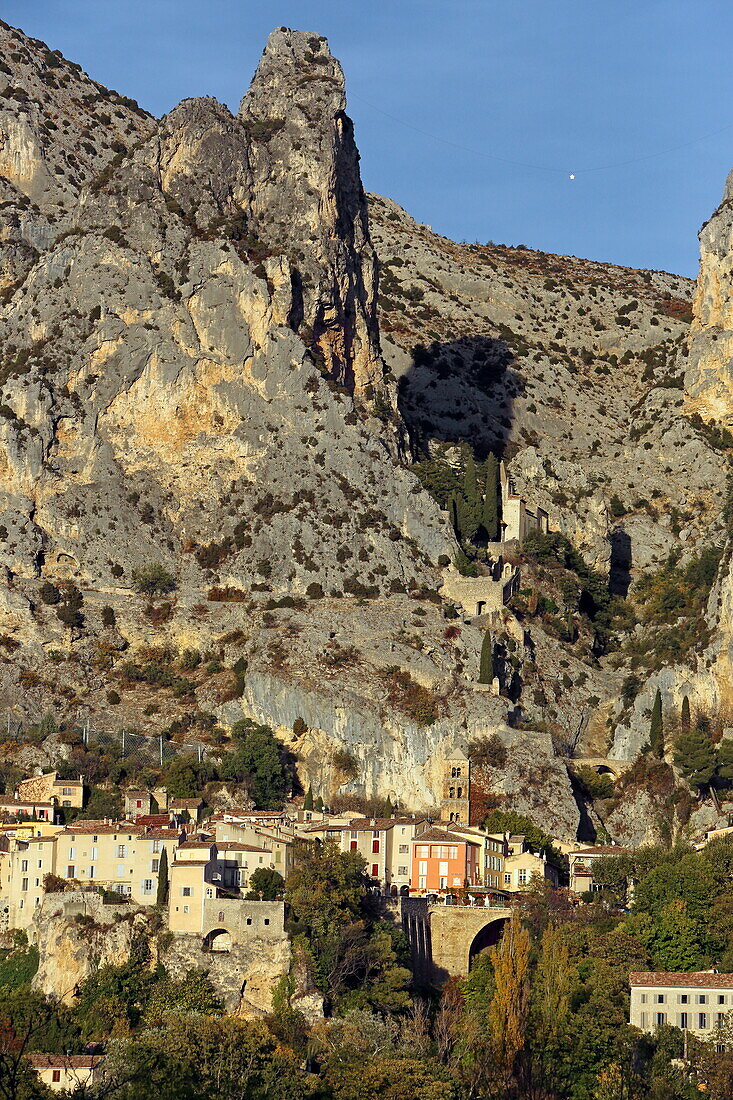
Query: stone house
x=580 y=865
x=67 y=793
x=517 y=519
x=522 y=864
x=695 y=1001
x=67 y=1072
x=139 y=804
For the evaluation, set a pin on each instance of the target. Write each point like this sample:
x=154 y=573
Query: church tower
x=456 y=800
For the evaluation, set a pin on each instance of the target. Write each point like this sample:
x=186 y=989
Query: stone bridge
x=602 y=764
x=444 y=939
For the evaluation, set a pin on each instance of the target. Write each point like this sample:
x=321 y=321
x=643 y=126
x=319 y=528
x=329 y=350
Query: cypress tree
x=490 y=513
x=319 y=805
x=472 y=498
x=388 y=811
x=694 y=754
x=656 y=727
x=455 y=516
x=685 y=715
x=162 y=895
x=308 y=800
x=486 y=670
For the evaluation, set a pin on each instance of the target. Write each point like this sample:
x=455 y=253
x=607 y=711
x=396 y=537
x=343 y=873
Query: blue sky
x=438 y=88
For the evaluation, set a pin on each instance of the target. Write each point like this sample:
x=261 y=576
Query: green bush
x=153 y=580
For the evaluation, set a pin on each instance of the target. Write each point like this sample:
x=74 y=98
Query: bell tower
x=456 y=794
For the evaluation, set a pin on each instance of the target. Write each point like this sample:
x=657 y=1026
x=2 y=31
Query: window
x=422 y=851
x=508 y=882
x=266 y=920
x=354 y=834
x=401 y=870
x=375 y=870
x=24 y=884
x=403 y=849
x=702 y=998
x=422 y=867
x=249 y=920
x=138 y=803
x=155 y=865
x=353 y=845
x=24 y=865
x=95 y=839
x=70 y=871
x=91 y=872
x=721 y=998
x=643 y=1021
x=443 y=882
x=684 y=999
x=56 y=1075
x=720 y=1018
x=40 y=863
x=659 y=998
x=156 y=846
x=148 y=886
x=186 y=892
x=66 y=790
x=66 y=802
x=422 y=882
x=72 y=853
x=702 y=1020
x=375 y=847
x=120 y=870
x=185 y=908
x=121 y=851
x=661 y=1019
x=522 y=876
x=683 y=1020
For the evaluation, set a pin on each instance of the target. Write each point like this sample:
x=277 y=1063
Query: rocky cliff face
x=191 y=378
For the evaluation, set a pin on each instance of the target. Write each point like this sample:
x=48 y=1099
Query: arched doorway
x=217 y=942
x=487 y=937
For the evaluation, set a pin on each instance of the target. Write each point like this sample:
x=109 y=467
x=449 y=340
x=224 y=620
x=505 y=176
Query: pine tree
x=685 y=715
x=656 y=728
x=694 y=754
x=486 y=670
x=162 y=895
x=308 y=800
x=510 y=1004
x=472 y=500
x=490 y=513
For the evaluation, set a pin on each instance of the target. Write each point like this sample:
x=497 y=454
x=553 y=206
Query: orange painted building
x=444 y=861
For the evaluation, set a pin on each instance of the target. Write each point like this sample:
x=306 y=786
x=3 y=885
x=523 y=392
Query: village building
x=493 y=854
x=72 y=1073
x=580 y=865
x=384 y=842
x=139 y=804
x=697 y=1001
x=523 y=863
x=444 y=861
x=455 y=803
x=67 y=793
x=517 y=518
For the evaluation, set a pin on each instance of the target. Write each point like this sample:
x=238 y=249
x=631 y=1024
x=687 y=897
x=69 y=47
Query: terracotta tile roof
x=154 y=819
x=83 y=827
x=137 y=794
x=696 y=979
x=64 y=1061
x=234 y=846
x=441 y=835
x=191 y=863
x=600 y=850
x=198 y=843
x=161 y=833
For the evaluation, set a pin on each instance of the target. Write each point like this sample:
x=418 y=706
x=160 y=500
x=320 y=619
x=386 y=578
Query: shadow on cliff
x=460 y=392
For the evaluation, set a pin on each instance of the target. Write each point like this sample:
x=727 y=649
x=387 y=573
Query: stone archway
x=486 y=937
x=217 y=942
